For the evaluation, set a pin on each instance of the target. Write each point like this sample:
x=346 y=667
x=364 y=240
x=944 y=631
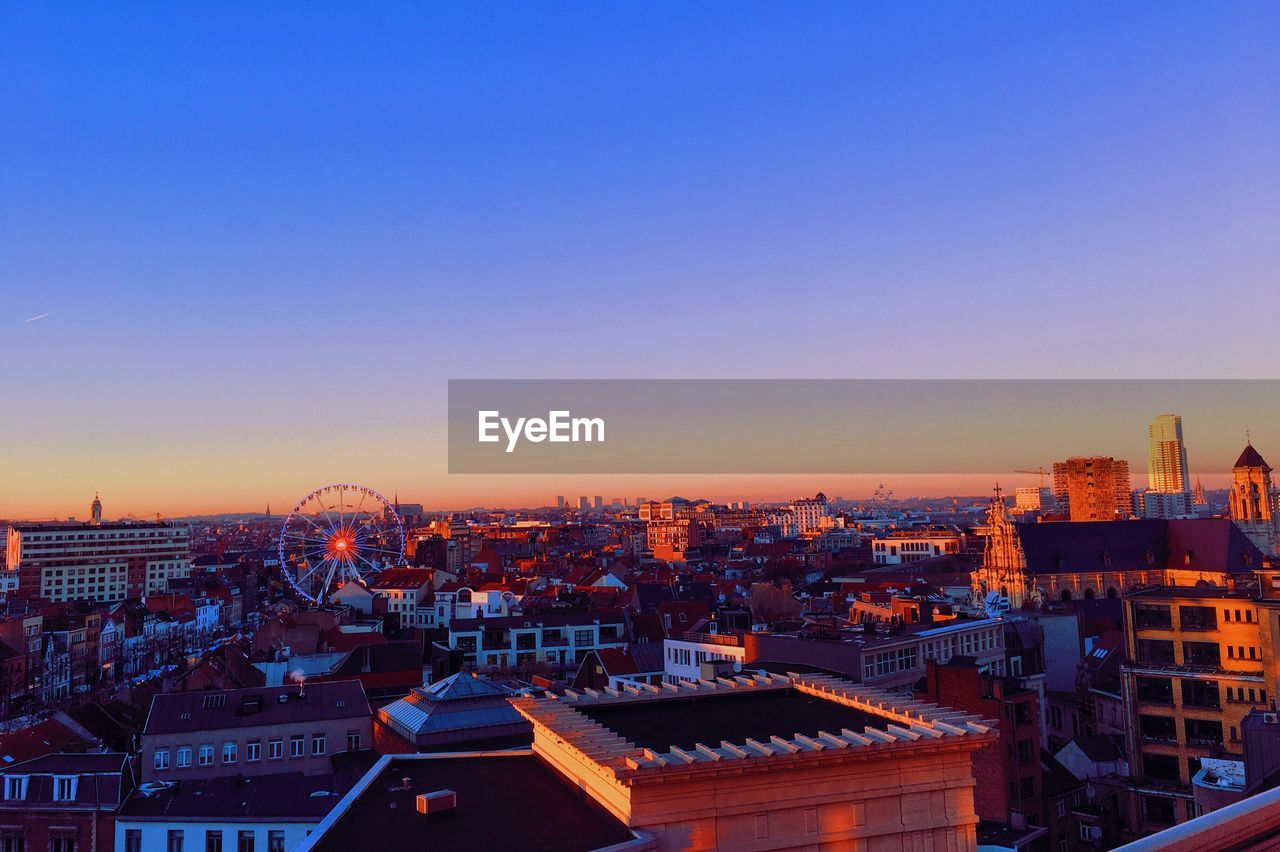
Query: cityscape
x=1067 y=664
x=639 y=427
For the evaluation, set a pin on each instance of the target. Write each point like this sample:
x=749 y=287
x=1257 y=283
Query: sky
x=263 y=236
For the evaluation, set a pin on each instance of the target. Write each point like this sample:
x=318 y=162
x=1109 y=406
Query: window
x=133 y=840
x=1152 y=616
x=296 y=748
x=1086 y=832
x=1155 y=651
x=1157 y=728
x=1161 y=767
x=176 y=838
x=1202 y=732
x=1201 y=654
x=1061 y=808
x=244 y=841
x=184 y=757
x=1200 y=693
x=161 y=759
x=253 y=750
x=206 y=755
x=317 y=744
x=64 y=788
x=229 y=752
x=275 y=749
x=1198 y=617
x=15 y=786
x=213 y=841
x=275 y=841
x=353 y=740
x=62 y=841
x=1155 y=690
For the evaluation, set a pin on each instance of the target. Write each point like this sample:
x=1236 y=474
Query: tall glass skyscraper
x=1167 y=459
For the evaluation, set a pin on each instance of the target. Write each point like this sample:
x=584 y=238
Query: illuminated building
x=1094 y=488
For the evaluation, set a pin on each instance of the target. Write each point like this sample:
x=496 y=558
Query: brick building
x=1011 y=769
x=63 y=802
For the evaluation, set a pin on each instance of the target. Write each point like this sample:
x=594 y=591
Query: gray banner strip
x=841 y=426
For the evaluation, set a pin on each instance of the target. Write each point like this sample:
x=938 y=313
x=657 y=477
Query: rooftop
x=460 y=705
x=286 y=796
x=509 y=622
x=1198 y=592
x=685 y=722
x=274 y=705
x=505 y=800
x=744 y=721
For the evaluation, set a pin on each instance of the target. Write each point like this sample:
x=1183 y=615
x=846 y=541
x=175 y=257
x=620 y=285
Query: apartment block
x=1201 y=658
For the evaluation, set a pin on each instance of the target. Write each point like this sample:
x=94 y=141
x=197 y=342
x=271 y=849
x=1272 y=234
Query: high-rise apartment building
x=1095 y=488
x=99 y=561
x=1168 y=492
x=1167 y=459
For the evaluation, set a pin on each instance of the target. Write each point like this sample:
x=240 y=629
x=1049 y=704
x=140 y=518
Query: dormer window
x=15 y=787
x=64 y=788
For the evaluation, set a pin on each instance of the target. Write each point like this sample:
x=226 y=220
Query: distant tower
x=268 y=511
x=1004 y=567
x=1167 y=459
x=1252 y=501
x=95 y=510
x=1198 y=496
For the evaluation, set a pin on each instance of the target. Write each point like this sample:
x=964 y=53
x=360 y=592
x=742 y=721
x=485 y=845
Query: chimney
x=440 y=800
x=404 y=782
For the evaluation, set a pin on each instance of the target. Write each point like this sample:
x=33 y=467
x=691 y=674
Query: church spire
x=95 y=510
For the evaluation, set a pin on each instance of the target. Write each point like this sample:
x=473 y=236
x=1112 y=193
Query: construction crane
x=1039 y=471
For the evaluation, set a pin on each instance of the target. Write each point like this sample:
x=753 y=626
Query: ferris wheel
x=337 y=534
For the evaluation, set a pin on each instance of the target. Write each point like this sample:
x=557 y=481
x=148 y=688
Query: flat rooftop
x=1198 y=592
x=286 y=797
x=735 y=717
x=504 y=802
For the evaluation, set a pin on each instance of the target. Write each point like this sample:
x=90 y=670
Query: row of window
x=176 y=839
x=888 y=662
x=1161 y=651
x=64 y=787
x=968 y=644
x=204 y=754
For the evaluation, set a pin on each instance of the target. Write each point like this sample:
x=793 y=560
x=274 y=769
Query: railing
x=732 y=639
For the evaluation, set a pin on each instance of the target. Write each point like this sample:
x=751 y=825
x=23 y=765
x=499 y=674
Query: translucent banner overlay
x=842 y=426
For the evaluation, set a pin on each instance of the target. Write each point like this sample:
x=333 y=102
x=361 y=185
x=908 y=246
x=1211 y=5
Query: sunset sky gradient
x=264 y=235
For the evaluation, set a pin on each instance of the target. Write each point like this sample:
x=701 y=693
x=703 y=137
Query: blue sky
x=269 y=233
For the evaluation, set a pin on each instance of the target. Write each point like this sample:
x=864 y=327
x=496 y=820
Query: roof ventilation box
x=440 y=800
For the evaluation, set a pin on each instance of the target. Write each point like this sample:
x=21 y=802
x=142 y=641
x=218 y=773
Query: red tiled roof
x=45 y=738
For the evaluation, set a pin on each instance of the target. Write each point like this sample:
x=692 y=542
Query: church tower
x=95 y=510
x=1252 y=502
x=1004 y=567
